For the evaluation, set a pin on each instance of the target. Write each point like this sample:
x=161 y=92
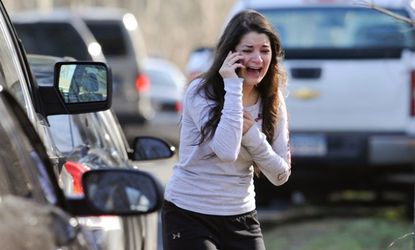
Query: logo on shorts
x=176 y=235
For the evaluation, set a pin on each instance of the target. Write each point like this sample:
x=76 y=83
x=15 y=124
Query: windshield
x=55 y=39
x=339 y=28
x=110 y=37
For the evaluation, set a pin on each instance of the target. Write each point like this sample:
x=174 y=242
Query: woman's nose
x=256 y=57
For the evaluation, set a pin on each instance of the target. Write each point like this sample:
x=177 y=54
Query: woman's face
x=256 y=50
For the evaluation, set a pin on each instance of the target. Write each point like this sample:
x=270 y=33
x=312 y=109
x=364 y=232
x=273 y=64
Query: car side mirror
x=122 y=191
x=151 y=148
x=79 y=87
x=79 y=83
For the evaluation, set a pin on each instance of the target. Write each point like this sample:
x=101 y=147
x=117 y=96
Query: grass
x=385 y=231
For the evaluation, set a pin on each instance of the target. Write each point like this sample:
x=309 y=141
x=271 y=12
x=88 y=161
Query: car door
x=30 y=196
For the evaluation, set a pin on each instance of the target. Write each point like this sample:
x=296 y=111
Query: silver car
x=96 y=141
x=33 y=206
x=167 y=87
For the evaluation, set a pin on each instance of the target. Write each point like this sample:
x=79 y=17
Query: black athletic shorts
x=187 y=230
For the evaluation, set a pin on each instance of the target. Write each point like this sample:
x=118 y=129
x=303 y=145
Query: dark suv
x=58 y=33
x=92 y=34
x=119 y=34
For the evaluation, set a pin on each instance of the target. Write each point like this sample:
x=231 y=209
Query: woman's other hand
x=248 y=121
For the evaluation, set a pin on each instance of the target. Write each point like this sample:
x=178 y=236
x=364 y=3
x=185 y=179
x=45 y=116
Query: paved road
x=162 y=170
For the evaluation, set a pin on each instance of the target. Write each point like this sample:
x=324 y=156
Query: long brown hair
x=212 y=82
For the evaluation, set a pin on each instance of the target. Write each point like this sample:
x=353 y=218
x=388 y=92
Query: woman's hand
x=248 y=121
x=230 y=65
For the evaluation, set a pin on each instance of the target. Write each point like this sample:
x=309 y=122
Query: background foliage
x=171 y=27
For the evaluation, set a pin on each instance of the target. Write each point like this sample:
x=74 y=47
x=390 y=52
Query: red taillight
x=412 y=93
x=76 y=170
x=178 y=106
x=142 y=83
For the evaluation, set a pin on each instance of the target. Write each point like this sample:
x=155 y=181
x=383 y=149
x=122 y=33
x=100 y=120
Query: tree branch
x=373 y=6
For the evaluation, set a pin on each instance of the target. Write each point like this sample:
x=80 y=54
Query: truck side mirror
x=79 y=87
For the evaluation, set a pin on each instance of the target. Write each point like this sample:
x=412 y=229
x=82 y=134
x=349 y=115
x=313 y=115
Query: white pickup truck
x=350 y=95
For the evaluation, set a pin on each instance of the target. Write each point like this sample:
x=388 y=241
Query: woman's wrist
x=233 y=85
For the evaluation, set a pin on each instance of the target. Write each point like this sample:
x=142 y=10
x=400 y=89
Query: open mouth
x=253 y=71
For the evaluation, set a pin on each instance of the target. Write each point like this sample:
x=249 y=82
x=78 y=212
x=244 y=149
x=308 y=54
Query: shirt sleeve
x=226 y=141
x=274 y=160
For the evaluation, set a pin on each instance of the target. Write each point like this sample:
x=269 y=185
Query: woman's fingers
x=247 y=115
x=233 y=59
x=230 y=64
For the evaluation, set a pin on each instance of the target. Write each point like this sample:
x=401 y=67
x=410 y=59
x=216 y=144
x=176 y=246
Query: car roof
x=266 y=4
x=102 y=13
x=157 y=62
x=64 y=15
x=165 y=65
x=199 y=59
x=257 y=4
x=46 y=59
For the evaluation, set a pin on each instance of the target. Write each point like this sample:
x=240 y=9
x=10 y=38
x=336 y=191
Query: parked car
x=32 y=201
x=96 y=141
x=34 y=207
x=57 y=33
x=15 y=75
x=350 y=94
x=198 y=62
x=38 y=103
x=119 y=34
x=29 y=190
x=166 y=91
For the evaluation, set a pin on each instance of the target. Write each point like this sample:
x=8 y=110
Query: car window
x=114 y=132
x=339 y=28
x=71 y=132
x=9 y=66
x=22 y=171
x=105 y=132
x=56 y=39
x=109 y=35
x=89 y=130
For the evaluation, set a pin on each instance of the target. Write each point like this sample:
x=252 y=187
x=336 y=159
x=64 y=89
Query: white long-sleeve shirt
x=223 y=184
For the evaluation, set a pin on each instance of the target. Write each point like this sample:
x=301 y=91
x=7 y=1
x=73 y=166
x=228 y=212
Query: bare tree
x=372 y=5
x=411 y=22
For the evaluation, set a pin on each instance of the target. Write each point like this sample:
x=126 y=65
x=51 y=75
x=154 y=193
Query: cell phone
x=238 y=70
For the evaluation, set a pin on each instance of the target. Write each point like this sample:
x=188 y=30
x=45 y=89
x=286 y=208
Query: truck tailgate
x=344 y=95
